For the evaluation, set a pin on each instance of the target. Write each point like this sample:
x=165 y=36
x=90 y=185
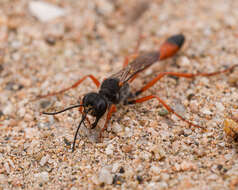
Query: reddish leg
x=109 y=114
x=146 y=98
x=95 y=81
x=184 y=75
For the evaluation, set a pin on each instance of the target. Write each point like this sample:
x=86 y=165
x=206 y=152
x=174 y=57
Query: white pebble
x=179 y=108
x=187 y=166
x=116 y=128
x=8 y=109
x=44 y=160
x=11 y=163
x=7 y=168
x=115 y=167
x=45 y=11
x=16 y=44
x=105 y=176
x=156 y=169
x=21 y=111
x=184 y=61
x=128 y=132
x=31 y=132
x=105 y=7
x=153 y=186
x=42 y=177
x=109 y=149
x=145 y=155
x=220 y=107
x=228 y=156
x=222 y=144
x=34 y=147
x=230 y=20
x=212 y=177
x=206 y=111
x=16 y=56
x=194 y=106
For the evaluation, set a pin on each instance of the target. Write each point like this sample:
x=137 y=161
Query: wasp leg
x=146 y=98
x=109 y=114
x=183 y=75
x=95 y=81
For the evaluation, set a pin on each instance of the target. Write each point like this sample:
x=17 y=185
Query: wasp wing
x=167 y=49
x=139 y=64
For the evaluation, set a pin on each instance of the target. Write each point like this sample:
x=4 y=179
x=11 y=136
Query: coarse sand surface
x=144 y=146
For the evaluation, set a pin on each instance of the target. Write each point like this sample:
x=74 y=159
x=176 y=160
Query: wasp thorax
x=96 y=103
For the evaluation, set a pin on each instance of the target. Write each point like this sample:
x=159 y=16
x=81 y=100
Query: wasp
x=116 y=90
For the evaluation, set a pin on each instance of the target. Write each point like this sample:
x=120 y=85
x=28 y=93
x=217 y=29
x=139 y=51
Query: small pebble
x=158 y=152
x=8 y=109
x=13 y=86
x=44 y=160
x=50 y=40
x=7 y=168
x=31 y=132
x=163 y=112
x=117 y=180
x=105 y=176
x=115 y=167
x=67 y=142
x=194 y=106
x=45 y=11
x=116 y=128
x=127 y=148
x=190 y=96
x=233 y=79
x=156 y=169
x=105 y=7
x=21 y=111
x=212 y=177
x=220 y=106
x=206 y=111
x=42 y=177
x=231 y=128
x=187 y=166
x=122 y=170
x=109 y=149
x=139 y=179
x=184 y=61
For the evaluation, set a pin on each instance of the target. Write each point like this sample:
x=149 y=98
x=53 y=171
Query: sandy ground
x=144 y=147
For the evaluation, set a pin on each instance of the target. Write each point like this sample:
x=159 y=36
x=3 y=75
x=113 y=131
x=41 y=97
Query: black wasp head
x=96 y=103
x=93 y=104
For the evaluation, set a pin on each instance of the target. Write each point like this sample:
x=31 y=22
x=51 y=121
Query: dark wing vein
x=141 y=62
